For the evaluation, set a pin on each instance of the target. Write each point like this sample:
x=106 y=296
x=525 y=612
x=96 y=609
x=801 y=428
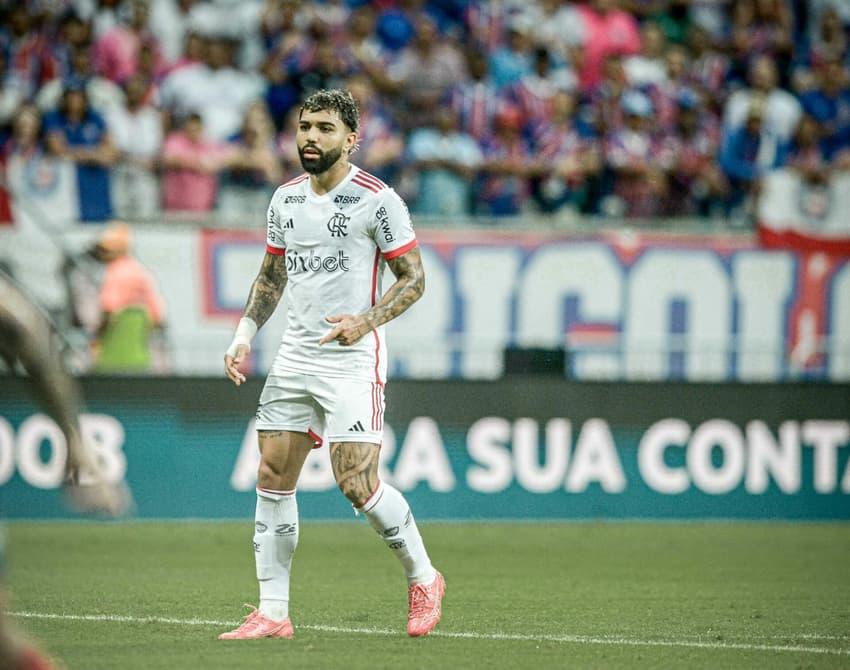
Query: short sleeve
x=393 y=228
x=275 y=241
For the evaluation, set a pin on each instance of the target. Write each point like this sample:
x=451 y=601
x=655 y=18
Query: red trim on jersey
x=297 y=180
x=403 y=249
x=317 y=439
x=366 y=184
x=274 y=251
x=369 y=175
x=374 y=302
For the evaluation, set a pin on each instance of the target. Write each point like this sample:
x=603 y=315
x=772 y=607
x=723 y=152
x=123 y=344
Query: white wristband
x=245 y=332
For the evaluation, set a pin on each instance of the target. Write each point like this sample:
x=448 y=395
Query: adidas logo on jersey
x=288 y=225
x=357 y=428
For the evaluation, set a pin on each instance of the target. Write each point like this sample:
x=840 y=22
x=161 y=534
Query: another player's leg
x=282 y=455
x=355 y=466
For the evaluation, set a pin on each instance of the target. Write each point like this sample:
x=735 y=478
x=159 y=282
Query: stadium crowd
x=636 y=108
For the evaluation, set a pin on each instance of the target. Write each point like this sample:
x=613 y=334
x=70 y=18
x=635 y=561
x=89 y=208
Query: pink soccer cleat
x=424 y=606
x=257 y=625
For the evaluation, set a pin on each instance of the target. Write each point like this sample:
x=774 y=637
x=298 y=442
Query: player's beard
x=321 y=164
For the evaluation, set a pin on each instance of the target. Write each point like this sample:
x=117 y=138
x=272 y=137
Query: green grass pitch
x=580 y=595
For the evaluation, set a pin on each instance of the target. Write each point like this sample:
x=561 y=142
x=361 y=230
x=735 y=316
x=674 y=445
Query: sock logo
x=357 y=428
x=285 y=529
x=390 y=532
x=407 y=518
x=261 y=527
x=396 y=545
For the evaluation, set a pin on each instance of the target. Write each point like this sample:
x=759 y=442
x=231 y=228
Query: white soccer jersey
x=335 y=246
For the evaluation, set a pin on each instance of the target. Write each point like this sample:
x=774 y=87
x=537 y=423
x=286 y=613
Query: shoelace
x=418 y=600
x=250 y=620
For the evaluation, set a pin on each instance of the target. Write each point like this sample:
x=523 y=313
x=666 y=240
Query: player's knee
x=268 y=476
x=354 y=491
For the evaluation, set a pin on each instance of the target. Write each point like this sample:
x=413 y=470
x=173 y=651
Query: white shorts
x=345 y=410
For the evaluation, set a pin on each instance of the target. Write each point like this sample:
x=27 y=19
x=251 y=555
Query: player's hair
x=336 y=100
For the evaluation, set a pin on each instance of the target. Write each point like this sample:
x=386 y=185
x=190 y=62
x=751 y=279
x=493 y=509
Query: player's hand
x=348 y=329
x=232 y=363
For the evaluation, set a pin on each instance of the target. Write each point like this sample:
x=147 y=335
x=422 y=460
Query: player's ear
x=351 y=143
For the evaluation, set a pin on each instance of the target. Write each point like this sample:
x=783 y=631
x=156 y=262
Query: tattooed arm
x=262 y=300
x=407 y=289
x=266 y=289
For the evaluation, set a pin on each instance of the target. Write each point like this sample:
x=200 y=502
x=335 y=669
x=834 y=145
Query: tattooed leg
x=355 y=467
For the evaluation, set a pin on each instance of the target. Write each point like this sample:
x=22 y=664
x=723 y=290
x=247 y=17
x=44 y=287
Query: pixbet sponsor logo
x=296 y=262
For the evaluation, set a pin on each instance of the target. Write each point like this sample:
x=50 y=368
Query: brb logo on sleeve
x=338 y=225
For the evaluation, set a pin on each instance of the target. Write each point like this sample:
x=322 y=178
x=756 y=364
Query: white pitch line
x=519 y=637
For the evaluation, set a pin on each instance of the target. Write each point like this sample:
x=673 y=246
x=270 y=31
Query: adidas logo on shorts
x=357 y=428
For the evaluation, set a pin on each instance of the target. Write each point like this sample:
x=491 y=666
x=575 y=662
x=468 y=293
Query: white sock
x=275 y=539
x=390 y=516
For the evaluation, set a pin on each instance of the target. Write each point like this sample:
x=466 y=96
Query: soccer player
x=329 y=234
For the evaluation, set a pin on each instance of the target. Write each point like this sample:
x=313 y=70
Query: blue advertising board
x=524 y=447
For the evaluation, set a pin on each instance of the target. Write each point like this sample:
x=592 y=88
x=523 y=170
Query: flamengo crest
x=338 y=225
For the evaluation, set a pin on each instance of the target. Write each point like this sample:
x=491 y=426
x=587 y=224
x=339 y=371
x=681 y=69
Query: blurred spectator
x=214 y=89
x=170 y=21
x=137 y=132
x=607 y=30
x=575 y=161
x=444 y=159
x=72 y=33
x=762 y=27
x=748 y=152
x=380 y=144
x=289 y=53
x=425 y=71
x=365 y=51
x=26 y=50
x=781 y=109
x=253 y=171
x=512 y=61
x=43 y=185
x=287 y=149
x=191 y=166
x=476 y=100
x=557 y=26
x=806 y=155
x=829 y=42
x=13 y=92
x=325 y=67
x=674 y=19
x=647 y=67
x=697 y=184
x=709 y=66
x=194 y=50
x=78 y=133
x=639 y=159
x=506 y=168
x=130 y=304
x=534 y=92
x=664 y=93
x=102 y=15
x=711 y=16
x=829 y=105
x=102 y=94
x=605 y=111
x=116 y=53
